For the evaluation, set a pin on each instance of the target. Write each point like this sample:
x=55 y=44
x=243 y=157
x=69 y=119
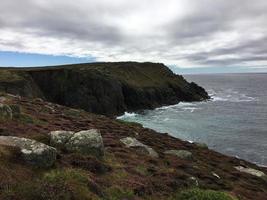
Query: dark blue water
x=234 y=122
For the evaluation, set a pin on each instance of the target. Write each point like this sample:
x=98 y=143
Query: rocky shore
x=49 y=151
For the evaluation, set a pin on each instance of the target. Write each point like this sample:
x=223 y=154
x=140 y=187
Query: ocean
x=233 y=122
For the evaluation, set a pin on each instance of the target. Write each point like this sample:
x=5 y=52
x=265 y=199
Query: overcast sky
x=180 y=33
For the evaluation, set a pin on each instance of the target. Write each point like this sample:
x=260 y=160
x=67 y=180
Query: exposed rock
x=134 y=143
x=2 y=99
x=193 y=181
x=183 y=154
x=50 y=108
x=40 y=100
x=216 y=175
x=60 y=138
x=5 y=112
x=33 y=152
x=251 y=171
x=86 y=142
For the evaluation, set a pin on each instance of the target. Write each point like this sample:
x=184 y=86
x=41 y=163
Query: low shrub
x=198 y=194
x=64 y=184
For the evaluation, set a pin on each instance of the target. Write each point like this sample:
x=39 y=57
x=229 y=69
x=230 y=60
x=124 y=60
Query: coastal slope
x=103 y=88
x=132 y=163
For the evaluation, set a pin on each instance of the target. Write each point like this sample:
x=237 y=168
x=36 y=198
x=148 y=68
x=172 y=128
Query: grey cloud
x=107 y=27
x=253 y=50
x=59 y=21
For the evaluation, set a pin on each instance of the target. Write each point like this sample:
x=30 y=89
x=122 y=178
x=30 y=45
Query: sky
x=187 y=35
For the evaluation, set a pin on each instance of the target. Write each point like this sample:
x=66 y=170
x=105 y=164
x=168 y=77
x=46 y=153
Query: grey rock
x=33 y=152
x=251 y=171
x=59 y=138
x=134 y=143
x=193 y=181
x=5 y=112
x=183 y=154
x=50 y=108
x=216 y=175
x=86 y=142
x=2 y=99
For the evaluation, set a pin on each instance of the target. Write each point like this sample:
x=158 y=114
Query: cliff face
x=105 y=88
x=18 y=83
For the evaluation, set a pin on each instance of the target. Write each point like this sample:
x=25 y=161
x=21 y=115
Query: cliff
x=103 y=88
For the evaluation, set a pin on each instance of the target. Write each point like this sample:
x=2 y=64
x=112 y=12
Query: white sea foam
x=180 y=107
x=230 y=95
x=216 y=98
x=167 y=107
x=127 y=115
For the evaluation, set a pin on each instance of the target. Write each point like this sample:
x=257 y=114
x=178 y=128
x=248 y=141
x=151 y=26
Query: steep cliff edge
x=104 y=88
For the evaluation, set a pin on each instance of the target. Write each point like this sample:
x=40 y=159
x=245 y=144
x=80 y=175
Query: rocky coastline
x=103 y=88
x=54 y=151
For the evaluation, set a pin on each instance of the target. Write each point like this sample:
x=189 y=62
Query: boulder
x=5 y=112
x=134 y=143
x=86 y=142
x=59 y=138
x=251 y=171
x=33 y=152
x=183 y=154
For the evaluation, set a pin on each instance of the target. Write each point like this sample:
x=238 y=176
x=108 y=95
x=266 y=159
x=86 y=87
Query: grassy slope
x=123 y=173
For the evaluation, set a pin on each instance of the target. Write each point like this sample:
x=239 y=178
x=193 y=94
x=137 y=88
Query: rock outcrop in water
x=103 y=88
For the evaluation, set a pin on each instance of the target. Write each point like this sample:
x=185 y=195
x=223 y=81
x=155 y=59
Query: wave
x=230 y=95
x=180 y=107
x=127 y=115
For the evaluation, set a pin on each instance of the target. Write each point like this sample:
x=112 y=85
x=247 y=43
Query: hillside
x=133 y=163
x=102 y=88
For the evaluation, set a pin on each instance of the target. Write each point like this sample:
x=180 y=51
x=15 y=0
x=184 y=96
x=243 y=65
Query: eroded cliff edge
x=103 y=88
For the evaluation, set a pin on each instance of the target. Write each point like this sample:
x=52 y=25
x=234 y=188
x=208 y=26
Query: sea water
x=233 y=122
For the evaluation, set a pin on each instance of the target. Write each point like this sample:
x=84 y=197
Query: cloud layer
x=185 y=33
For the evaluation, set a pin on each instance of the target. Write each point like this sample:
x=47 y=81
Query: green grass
x=198 y=194
x=72 y=113
x=129 y=123
x=27 y=119
x=141 y=169
x=9 y=76
x=61 y=184
x=118 y=193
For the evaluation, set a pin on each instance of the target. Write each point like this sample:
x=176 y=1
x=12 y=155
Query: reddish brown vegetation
x=125 y=168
